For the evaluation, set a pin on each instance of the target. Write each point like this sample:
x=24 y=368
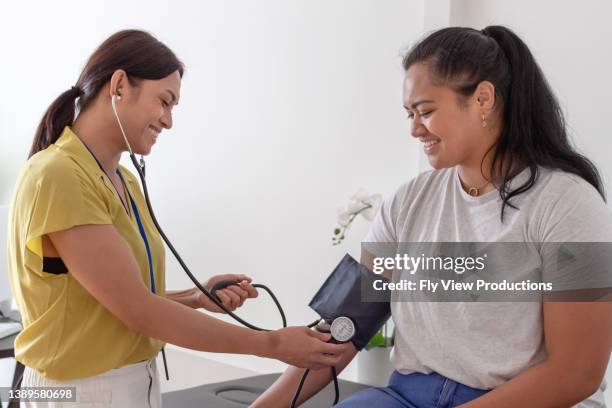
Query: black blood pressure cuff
x=341 y=295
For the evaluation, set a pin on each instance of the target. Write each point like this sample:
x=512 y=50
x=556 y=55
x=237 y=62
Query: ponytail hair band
x=76 y=90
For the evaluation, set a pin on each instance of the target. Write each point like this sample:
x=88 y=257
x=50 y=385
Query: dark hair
x=137 y=52
x=534 y=131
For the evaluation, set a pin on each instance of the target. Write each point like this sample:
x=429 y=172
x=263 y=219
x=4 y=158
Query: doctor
x=90 y=286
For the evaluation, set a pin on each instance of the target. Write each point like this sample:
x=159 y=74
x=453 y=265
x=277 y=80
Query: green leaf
x=337 y=231
x=377 y=340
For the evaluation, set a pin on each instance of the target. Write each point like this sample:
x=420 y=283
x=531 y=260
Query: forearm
x=187 y=297
x=175 y=323
x=543 y=385
x=280 y=394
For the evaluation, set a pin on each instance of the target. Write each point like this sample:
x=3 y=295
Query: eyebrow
x=417 y=103
x=173 y=96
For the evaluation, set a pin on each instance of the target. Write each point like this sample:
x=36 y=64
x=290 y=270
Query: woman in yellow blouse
x=89 y=286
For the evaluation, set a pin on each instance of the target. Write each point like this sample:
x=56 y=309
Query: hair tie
x=77 y=90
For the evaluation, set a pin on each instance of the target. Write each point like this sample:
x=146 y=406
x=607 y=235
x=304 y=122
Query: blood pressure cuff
x=341 y=295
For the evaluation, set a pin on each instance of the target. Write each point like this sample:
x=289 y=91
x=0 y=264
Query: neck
x=476 y=170
x=473 y=177
x=99 y=139
x=478 y=175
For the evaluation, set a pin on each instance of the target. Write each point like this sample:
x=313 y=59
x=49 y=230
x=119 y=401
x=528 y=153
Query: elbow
x=588 y=385
x=580 y=382
x=136 y=315
x=134 y=323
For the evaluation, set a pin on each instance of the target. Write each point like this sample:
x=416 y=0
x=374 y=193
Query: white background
x=287 y=108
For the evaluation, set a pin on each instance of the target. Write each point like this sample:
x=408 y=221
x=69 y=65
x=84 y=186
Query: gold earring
x=484 y=122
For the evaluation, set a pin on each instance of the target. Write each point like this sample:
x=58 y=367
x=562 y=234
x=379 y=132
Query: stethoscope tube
x=141 y=174
x=178 y=257
x=298 y=391
x=215 y=300
x=140 y=168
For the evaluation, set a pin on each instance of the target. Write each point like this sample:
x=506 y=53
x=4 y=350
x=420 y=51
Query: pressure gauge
x=342 y=329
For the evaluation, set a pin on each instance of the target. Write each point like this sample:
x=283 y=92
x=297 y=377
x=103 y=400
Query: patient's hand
x=232 y=296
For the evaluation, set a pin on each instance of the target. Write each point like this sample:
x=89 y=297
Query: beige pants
x=135 y=385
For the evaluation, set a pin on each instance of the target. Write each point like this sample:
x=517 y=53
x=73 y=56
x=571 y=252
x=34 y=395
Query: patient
x=504 y=171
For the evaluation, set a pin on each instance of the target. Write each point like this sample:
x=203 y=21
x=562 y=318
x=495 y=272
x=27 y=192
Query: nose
x=417 y=129
x=166 y=120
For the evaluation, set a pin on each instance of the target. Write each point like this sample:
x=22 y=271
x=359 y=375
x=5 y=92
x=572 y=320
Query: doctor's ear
x=119 y=83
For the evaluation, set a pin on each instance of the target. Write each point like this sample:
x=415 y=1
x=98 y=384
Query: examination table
x=242 y=392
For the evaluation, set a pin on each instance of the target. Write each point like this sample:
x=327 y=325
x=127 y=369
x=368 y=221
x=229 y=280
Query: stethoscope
x=342 y=328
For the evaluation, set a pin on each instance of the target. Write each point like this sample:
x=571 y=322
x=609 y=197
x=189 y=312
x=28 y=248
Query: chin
x=438 y=163
x=143 y=150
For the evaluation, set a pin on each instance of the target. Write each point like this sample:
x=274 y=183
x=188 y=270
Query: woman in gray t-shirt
x=504 y=171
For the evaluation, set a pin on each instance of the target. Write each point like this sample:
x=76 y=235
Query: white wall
x=287 y=108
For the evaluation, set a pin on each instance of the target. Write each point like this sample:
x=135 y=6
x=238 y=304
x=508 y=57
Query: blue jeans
x=414 y=390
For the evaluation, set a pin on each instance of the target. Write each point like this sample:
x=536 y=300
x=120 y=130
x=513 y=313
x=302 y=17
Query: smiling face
x=147 y=110
x=450 y=128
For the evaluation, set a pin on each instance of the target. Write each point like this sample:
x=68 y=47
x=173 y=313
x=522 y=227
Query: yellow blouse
x=67 y=333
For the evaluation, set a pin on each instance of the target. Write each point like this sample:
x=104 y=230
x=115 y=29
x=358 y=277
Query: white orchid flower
x=354 y=207
x=362 y=203
x=374 y=202
x=344 y=217
x=361 y=195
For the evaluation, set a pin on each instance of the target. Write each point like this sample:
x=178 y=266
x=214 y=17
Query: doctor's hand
x=306 y=348
x=232 y=297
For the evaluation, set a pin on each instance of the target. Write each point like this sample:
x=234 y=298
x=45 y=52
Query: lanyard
x=142 y=233
x=136 y=215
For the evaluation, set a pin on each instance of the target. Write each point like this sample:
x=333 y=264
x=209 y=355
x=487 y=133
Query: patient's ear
x=485 y=96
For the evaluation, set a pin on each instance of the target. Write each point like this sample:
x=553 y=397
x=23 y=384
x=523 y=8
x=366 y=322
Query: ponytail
x=535 y=131
x=59 y=115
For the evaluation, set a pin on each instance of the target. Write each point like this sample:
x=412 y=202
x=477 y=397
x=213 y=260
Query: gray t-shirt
x=483 y=345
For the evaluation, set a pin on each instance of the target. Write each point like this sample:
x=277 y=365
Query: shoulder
x=559 y=183
x=424 y=184
x=560 y=190
x=50 y=165
x=572 y=206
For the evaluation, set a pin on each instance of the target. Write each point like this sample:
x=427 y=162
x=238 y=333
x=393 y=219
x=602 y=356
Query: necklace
x=475 y=191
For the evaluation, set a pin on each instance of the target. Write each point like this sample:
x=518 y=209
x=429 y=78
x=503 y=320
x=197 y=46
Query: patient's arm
x=280 y=394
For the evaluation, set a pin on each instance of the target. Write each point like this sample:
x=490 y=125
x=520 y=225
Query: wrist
x=187 y=297
x=195 y=297
x=266 y=344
